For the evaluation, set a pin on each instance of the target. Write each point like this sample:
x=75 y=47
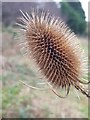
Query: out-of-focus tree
x=75 y=16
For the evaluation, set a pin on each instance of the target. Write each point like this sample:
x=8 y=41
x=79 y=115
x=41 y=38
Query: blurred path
x=0 y=43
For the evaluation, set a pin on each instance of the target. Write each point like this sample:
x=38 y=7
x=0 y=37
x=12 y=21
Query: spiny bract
x=55 y=49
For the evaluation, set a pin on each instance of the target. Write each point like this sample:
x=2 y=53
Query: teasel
x=56 y=50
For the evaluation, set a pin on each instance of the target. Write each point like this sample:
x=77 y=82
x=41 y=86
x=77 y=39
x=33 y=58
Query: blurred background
x=19 y=101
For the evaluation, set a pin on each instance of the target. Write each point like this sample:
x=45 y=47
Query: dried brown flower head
x=55 y=49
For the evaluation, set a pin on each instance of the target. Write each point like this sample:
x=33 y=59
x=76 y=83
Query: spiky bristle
x=55 y=49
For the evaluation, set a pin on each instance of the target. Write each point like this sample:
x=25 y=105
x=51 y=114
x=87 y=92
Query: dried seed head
x=55 y=49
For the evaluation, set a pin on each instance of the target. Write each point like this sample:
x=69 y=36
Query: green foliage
x=9 y=30
x=10 y=95
x=75 y=16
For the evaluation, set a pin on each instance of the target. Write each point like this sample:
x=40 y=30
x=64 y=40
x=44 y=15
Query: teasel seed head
x=56 y=50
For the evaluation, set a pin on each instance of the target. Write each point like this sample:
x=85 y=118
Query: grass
x=22 y=102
